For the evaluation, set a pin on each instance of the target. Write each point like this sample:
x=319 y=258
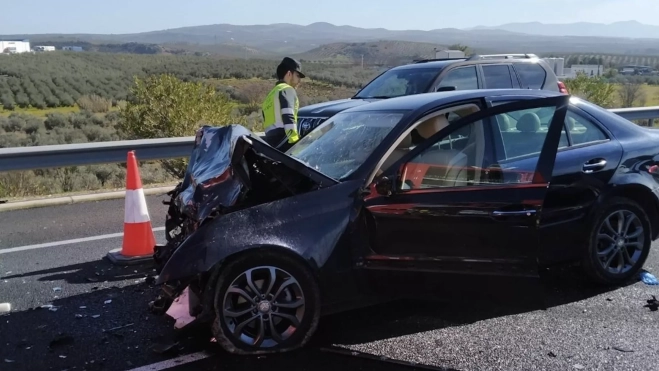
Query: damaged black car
x=490 y=183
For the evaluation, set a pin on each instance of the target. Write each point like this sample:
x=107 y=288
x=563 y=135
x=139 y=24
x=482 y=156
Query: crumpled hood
x=209 y=182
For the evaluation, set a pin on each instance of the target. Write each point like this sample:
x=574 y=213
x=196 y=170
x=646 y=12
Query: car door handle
x=514 y=213
x=591 y=166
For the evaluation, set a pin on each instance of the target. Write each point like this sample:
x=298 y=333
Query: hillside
x=385 y=52
x=627 y=29
x=283 y=38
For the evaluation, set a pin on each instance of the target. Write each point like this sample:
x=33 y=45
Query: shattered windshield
x=396 y=83
x=341 y=144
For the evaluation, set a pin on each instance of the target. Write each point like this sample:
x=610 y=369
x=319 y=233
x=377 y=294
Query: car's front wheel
x=265 y=302
x=619 y=242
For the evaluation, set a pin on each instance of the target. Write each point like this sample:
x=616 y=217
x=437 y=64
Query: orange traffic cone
x=139 y=241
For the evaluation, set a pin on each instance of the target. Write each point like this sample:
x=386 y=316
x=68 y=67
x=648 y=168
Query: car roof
x=442 y=63
x=431 y=64
x=412 y=102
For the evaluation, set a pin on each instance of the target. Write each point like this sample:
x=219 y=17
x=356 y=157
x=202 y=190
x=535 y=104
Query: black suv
x=495 y=71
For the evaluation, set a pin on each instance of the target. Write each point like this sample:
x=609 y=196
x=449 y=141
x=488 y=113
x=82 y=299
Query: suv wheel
x=619 y=242
x=265 y=302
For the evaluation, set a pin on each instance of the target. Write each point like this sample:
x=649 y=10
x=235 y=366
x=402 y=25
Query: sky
x=128 y=16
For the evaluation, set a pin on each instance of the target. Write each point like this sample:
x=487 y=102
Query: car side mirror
x=446 y=88
x=384 y=186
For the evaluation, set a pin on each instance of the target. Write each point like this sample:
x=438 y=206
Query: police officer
x=280 y=106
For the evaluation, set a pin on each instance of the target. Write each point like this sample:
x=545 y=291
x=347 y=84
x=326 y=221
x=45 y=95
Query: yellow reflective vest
x=279 y=110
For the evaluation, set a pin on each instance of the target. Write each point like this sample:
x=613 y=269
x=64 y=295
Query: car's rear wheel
x=265 y=302
x=619 y=242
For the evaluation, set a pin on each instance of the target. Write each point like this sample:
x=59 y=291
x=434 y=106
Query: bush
x=594 y=89
x=94 y=103
x=165 y=106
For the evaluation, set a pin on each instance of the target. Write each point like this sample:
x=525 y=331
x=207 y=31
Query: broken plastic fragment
x=648 y=278
x=56 y=289
x=107 y=302
x=78 y=315
x=180 y=311
x=9 y=360
x=83 y=307
x=96 y=315
x=653 y=304
x=5 y=308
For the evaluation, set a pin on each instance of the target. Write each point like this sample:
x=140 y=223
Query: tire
x=638 y=246
x=304 y=286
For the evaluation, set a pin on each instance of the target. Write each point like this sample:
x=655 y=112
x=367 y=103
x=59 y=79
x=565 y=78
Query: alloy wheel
x=620 y=241
x=263 y=306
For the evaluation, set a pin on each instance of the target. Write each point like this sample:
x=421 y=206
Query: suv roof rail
x=502 y=56
x=437 y=60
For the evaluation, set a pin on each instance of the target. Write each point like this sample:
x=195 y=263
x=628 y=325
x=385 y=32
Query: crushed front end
x=225 y=174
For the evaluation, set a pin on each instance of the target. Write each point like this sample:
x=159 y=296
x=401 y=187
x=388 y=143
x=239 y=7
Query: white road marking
x=68 y=242
x=174 y=362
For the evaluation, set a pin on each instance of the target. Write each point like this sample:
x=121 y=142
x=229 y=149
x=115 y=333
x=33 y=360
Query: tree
x=164 y=106
x=630 y=92
x=592 y=88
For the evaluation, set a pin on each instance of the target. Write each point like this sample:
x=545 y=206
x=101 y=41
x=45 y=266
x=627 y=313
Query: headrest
x=529 y=122
x=429 y=127
x=504 y=122
x=405 y=143
x=569 y=121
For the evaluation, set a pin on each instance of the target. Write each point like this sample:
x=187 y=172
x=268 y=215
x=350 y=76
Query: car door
x=586 y=159
x=450 y=207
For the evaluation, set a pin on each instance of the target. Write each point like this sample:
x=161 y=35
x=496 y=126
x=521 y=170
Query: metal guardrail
x=51 y=156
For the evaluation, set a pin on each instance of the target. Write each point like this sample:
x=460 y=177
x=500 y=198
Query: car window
x=523 y=132
x=510 y=123
x=497 y=76
x=582 y=130
x=341 y=144
x=399 y=82
x=532 y=74
x=467 y=156
x=463 y=78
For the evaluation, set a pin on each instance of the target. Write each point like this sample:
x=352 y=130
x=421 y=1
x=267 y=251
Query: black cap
x=292 y=65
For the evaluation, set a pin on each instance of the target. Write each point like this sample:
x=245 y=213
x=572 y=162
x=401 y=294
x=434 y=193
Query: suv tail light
x=562 y=88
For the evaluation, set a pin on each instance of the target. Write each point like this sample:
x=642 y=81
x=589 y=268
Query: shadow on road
x=81 y=331
x=90 y=272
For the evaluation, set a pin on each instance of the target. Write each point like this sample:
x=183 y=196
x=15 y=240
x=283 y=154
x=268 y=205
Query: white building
x=14 y=46
x=44 y=48
x=557 y=65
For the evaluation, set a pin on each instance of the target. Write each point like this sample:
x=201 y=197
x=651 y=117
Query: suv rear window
x=532 y=75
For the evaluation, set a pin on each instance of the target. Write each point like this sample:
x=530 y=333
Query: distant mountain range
x=282 y=38
x=626 y=29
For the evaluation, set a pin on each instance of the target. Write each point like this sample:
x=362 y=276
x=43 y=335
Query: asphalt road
x=580 y=327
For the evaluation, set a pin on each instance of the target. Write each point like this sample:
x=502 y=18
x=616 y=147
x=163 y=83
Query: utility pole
x=362 y=61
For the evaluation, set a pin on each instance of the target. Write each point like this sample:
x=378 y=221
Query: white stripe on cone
x=135 y=207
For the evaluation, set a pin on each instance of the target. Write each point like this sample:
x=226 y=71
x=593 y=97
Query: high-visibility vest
x=272 y=112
